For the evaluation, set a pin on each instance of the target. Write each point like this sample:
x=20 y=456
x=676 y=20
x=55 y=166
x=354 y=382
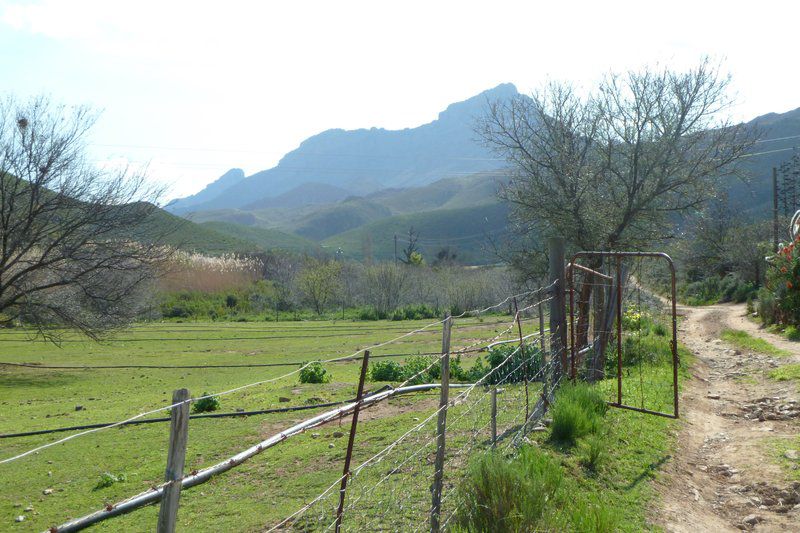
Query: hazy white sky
x=195 y=88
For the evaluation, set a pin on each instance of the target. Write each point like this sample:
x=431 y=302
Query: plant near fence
x=783 y=284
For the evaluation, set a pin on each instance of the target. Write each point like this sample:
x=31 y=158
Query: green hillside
x=334 y=219
x=267 y=239
x=469 y=230
x=186 y=235
x=449 y=193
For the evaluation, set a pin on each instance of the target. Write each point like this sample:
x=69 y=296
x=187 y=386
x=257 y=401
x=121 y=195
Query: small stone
x=713 y=396
x=330 y=445
x=315 y=435
x=239 y=410
x=338 y=434
x=283 y=399
x=538 y=429
x=79 y=408
x=20 y=518
x=29 y=509
x=791 y=454
x=47 y=492
x=547 y=421
x=752 y=519
x=415 y=419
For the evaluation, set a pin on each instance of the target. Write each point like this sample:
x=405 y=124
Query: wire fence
x=393 y=485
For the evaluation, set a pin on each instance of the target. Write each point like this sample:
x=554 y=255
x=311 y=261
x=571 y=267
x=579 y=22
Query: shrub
x=107 y=479
x=205 y=405
x=514 y=369
x=386 y=371
x=767 y=307
x=231 y=301
x=314 y=372
x=504 y=496
x=576 y=412
x=415 y=370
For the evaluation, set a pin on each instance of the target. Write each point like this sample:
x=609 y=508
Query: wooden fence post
x=438 y=474
x=494 y=416
x=525 y=366
x=178 y=436
x=349 y=455
x=543 y=348
x=558 y=317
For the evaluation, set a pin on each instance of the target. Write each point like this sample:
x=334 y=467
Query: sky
x=192 y=89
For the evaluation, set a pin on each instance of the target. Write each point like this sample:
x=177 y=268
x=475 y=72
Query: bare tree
x=411 y=252
x=608 y=170
x=384 y=286
x=78 y=245
x=320 y=282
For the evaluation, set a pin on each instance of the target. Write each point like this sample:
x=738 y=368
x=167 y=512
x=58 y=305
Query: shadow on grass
x=648 y=472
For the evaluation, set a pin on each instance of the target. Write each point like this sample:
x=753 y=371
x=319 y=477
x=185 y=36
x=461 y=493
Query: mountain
x=367 y=160
x=779 y=137
x=223 y=183
x=302 y=195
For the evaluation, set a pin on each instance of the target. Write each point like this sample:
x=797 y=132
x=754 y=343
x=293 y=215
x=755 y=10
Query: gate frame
x=619 y=256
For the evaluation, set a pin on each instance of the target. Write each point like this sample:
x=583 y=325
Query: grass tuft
x=576 y=413
x=745 y=341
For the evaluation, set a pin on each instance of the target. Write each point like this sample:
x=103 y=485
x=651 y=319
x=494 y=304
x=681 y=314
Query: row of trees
x=323 y=284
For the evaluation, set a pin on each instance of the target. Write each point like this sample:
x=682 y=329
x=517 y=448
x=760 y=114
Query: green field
x=258 y=493
x=392 y=492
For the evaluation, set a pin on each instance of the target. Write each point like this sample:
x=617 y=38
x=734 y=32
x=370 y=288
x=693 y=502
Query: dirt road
x=724 y=475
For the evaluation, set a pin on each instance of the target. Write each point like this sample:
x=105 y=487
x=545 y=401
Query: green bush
x=730 y=288
x=576 y=412
x=386 y=371
x=767 y=307
x=314 y=372
x=205 y=405
x=107 y=479
x=527 y=361
x=503 y=496
x=416 y=372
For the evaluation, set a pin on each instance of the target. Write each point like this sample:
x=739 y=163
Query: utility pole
x=775 y=208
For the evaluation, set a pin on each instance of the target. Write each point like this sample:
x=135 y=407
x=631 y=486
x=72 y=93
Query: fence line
x=201 y=476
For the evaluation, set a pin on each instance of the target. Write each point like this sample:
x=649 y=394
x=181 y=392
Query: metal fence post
x=176 y=458
x=438 y=474
x=558 y=318
x=349 y=455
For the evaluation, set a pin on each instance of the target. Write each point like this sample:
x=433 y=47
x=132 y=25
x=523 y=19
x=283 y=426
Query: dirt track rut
x=723 y=475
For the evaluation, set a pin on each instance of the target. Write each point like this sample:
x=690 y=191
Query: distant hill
x=305 y=194
x=780 y=136
x=264 y=238
x=211 y=191
x=344 y=216
x=468 y=230
x=367 y=160
x=186 y=235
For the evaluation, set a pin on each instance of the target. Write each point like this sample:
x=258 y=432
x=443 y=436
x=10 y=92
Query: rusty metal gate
x=610 y=310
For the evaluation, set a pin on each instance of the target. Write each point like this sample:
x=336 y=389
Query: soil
x=724 y=475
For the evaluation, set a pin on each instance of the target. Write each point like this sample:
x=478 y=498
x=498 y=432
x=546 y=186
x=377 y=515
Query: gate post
x=558 y=317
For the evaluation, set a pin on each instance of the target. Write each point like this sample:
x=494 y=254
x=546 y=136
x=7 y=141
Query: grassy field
x=390 y=493
x=259 y=492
